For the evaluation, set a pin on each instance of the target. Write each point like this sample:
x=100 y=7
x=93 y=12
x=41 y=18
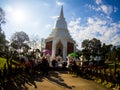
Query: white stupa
x=59 y=41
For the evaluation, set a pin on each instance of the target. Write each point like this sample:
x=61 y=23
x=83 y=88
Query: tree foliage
x=2 y=38
x=18 y=39
x=2 y=16
x=93 y=46
x=118 y=53
x=2 y=35
x=85 y=44
x=106 y=51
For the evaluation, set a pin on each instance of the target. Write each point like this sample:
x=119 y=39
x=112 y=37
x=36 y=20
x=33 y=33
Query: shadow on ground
x=56 y=79
x=18 y=82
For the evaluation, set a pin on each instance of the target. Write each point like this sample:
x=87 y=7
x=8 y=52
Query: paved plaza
x=59 y=80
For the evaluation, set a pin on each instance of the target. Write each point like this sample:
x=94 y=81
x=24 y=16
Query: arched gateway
x=59 y=41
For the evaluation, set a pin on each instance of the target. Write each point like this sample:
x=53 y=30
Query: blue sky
x=86 y=19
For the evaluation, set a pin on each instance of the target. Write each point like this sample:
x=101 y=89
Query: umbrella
x=45 y=51
x=73 y=55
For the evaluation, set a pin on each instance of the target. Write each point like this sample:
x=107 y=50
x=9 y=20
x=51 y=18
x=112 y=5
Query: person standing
x=45 y=66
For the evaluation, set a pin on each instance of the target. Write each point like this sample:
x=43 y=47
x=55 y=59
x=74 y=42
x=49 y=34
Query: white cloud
x=95 y=28
x=54 y=17
x=98 y=2
x=93 y=7
x=104 y=8
x=48 y=26
x=75 y=23
x=59 y=3
x=107 y=9
x=90 y=21
x=45 y=4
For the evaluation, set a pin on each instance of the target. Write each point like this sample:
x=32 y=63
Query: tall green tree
x=94 y=46
x=118 y=54
x=85 y=44
x=91 y=47
x=86 y=53
x=106 y=51
x=2 y=40
x=2 y=35
x=18 y=40
x=2 y=16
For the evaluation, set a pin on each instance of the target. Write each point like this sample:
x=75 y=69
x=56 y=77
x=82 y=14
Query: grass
x=2 y=62
x=112 y=65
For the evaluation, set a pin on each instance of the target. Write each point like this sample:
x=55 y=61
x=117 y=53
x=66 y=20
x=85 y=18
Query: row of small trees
x=108 y=53
x=94 y=47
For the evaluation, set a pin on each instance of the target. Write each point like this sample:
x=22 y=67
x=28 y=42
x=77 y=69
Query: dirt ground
x=57 y=80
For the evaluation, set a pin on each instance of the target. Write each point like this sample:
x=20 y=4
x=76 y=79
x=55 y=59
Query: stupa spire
x=61 y=12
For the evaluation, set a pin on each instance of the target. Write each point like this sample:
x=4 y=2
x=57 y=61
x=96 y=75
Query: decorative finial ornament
x=61 y=12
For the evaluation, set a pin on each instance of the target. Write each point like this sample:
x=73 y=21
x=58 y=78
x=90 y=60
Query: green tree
x=2 y=40
x=118 y=54
x=2 y=16
x=91 y=47
x=85 y=44
x=19 y=39
x=94 y=46
x=2 y=35
x=86 y=53
x=25 y=48
x=106 y=51
x=114 y=57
